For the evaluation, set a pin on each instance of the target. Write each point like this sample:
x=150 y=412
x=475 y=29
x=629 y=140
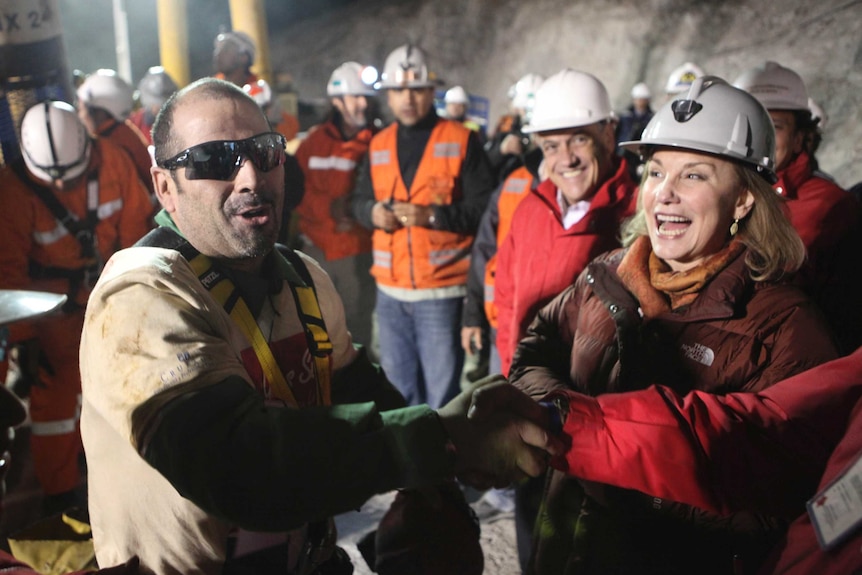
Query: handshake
x=501 y=435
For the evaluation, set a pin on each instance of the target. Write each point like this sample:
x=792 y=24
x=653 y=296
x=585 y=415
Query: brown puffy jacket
x=738 y=335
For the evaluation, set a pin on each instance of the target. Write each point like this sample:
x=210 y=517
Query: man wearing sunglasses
x=423 y=192
x=65 y=207
x=222 y=395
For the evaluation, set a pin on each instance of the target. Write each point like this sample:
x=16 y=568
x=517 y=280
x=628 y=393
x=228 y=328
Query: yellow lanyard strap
x=224 y=292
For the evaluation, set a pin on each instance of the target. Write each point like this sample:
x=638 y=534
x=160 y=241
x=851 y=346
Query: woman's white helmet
x=569 y=99
x=406 y=67
x=346 y=80
x=777 y=87
x=716 y=118
x=54 y=142
x=106 y=90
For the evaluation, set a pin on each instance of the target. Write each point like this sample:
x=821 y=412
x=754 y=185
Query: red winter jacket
x=763 y=452
x=539 y=258
x=827 y=219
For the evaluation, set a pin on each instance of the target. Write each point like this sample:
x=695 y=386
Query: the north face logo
x=699 y=353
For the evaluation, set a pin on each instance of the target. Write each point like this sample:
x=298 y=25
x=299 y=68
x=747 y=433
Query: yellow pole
x=174 y=39
x=249 y=16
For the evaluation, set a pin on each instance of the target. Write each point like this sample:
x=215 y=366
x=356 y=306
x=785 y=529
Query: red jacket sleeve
x=762 y=452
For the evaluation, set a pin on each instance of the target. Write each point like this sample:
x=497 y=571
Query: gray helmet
x=156 y=87
x=716 y=118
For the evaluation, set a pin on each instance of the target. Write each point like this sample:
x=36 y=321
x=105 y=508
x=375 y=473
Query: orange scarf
x=657 y=288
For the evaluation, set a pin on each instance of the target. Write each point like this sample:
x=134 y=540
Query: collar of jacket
x=726 y=293
x=609 y=195
x=793 y=176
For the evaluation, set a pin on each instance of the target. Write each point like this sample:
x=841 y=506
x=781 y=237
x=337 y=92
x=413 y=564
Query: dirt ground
x=497 y=534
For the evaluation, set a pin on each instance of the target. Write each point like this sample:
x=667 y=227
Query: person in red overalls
x=66 y=206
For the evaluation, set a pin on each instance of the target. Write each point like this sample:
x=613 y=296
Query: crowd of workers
x=259 y=335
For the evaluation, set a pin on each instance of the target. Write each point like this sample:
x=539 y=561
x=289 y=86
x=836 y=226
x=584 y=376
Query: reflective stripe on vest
x=331 y=163
x=379 y=157
x=58 y=426
x=382 y=259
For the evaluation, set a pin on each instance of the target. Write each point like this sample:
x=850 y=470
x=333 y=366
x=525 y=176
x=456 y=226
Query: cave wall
x=486 y=45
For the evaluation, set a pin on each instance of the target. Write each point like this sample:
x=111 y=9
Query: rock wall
x=486 y=45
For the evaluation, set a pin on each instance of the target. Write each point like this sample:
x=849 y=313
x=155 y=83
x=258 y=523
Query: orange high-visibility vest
x=416 y=257
x=515 y=188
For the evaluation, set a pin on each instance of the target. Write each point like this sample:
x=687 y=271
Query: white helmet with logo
x=682 y=78
x=716 y=118
x=156 y=87
x=346 y=80
x=106 y=90
x=54 y=142
x=406 y=67
x=456 y=95
x=523 y=92
x=777 y=87
x=569 y=99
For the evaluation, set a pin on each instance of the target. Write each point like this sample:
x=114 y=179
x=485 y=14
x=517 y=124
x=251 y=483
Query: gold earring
x=734 y=227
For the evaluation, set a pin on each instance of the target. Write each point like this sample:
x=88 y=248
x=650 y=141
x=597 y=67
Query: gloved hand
x=498 y=448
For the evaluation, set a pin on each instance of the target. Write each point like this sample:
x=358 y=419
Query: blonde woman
x=696 y=300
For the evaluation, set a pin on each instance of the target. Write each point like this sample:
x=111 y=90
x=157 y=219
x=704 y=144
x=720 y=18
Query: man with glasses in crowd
x=226 y=415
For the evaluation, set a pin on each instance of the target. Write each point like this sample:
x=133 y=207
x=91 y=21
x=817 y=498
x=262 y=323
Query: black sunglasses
x=221 y=159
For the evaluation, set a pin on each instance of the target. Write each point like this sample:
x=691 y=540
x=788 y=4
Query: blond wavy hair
x=774 y=247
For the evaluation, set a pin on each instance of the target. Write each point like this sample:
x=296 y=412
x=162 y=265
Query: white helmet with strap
x=346 y=80
x=106 y=90
x=406 y=67
x=54 y=142
x=569 y=99
x=716 y=118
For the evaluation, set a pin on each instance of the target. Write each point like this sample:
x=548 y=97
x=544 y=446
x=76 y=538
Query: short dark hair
x=164 y=139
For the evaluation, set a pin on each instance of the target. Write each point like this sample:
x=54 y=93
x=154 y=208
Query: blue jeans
x=420 y=347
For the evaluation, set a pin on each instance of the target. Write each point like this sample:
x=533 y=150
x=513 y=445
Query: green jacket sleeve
x=275 y=468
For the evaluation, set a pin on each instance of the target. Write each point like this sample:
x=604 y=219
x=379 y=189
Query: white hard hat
x=777 y=87
x=640 y=91
x=818 y=113
x=716 y=118
x=54 y=142
x=241 y=40
x=156 y=87
x=260 y=91
x=405 y=67
x=569 y=99
x=456 y=95
x=523 y=92
x=682 y=77
x=106 y=90
x=346 y=80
